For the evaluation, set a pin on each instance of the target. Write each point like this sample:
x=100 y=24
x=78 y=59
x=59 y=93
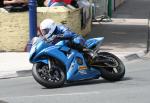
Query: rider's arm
x=67 y=33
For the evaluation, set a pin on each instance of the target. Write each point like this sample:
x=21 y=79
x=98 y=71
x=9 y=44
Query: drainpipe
x=148 y=37
x=114 y=5
x=110 y=8
x=32 y=22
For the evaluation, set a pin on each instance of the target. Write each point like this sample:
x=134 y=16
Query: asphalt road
x=134 y=88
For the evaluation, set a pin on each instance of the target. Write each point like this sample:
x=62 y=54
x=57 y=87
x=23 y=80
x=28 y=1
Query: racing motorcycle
x=56 y=62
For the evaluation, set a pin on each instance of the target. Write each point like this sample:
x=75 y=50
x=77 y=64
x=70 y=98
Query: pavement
x=125 y=36
x=14 y=64
x=133 y=88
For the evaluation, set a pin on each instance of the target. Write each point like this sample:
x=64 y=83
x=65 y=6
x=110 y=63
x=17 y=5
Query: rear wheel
x=49 y=78
x=112 y=73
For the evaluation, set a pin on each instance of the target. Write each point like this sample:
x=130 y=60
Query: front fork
x=50 y=64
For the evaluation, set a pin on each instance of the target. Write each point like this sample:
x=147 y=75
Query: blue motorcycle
x=56 y=62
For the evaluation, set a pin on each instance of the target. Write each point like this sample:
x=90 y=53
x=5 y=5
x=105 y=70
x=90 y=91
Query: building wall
x=113 y=5
x=101 y=6
x=118 y=3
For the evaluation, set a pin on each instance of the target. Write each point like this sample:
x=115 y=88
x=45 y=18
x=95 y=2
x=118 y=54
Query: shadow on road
x=90 y=82
x=127 y=78
x=93 y=82
x=1 y=101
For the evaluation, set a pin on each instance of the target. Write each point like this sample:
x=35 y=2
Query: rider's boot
x=88 y=53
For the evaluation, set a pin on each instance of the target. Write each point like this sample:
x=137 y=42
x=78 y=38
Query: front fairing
x=37 y=47
x=41 y=45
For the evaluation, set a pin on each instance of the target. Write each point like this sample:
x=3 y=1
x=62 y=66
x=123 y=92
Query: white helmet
x=47 y=26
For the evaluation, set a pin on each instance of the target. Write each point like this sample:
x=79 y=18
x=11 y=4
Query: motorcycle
x=57 y=63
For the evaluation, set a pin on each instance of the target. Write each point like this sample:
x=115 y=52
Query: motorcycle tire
x=109 y=73
x=39 y=77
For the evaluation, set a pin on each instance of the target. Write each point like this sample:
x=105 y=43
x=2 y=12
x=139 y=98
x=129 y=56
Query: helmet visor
x=45 y=31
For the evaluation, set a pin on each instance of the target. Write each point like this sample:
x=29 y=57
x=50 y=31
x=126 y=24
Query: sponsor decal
x=82 y=68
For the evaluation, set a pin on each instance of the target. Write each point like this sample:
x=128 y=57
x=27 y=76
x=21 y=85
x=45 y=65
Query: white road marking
x=53 y=95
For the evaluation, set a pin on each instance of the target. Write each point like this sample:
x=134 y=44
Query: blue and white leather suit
x=67 y=33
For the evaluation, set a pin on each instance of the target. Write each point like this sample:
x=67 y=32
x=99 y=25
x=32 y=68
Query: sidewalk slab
x=14 y=64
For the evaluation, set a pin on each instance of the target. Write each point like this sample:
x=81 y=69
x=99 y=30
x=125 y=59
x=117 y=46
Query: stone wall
x=14 y=31
x=14 y=27
x=68 y=16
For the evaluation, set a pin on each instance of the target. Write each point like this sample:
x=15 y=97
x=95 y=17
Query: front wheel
x=49 y=79
x=112 y=73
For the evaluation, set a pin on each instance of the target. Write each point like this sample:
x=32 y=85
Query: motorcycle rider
x=50 y=29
